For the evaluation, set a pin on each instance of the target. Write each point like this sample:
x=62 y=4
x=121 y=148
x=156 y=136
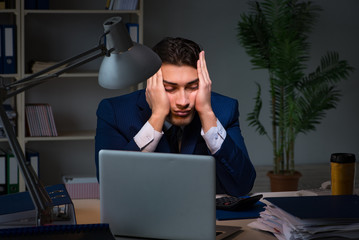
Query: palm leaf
x=274 y=34
x=253 y=117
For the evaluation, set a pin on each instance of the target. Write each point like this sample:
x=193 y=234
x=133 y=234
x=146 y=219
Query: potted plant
x=274 y=34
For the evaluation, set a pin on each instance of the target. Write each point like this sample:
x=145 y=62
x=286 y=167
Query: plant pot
x=284 y=181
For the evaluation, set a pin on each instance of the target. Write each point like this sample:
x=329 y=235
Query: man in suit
x=179 y=97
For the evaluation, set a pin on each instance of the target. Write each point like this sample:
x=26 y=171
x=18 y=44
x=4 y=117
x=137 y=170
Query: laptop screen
x=158 y=195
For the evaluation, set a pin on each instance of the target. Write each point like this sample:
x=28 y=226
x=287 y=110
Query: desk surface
x=88 y=212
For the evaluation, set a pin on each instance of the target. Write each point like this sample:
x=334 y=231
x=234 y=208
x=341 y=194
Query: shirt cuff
x=147 y=138
x=214 y=137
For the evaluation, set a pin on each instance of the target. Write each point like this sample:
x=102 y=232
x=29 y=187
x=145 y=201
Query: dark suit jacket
x=119 y=119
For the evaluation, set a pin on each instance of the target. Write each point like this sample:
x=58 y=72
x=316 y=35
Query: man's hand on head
x=158 y=101
x=203 y=99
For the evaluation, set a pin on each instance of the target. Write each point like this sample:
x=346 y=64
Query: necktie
x=174 y=135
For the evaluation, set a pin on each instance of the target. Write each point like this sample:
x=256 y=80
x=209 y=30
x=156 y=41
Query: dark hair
x=178 y=51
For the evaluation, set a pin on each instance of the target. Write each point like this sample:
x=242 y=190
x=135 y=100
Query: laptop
x=159 y=195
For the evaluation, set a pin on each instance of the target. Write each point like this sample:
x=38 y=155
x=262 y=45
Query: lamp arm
x=36 y=189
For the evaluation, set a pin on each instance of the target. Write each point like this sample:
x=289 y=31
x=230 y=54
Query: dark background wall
x=213 y=24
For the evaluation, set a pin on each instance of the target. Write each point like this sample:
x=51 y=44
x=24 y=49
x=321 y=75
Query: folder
x=12 y=173
x=2 y=49
x=18 y=207
x=3 y=188
x=30 y=4
x=9 y=60
x=327 y=207
x=253 y=212
x=43 y=4
x=10 y=4
x=133 y=30
x=32 y=157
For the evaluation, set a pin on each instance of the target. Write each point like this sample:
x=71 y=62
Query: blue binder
x=30 y=4
x=9 y=53
x=133 y=30
x=2 y=46
x=43 y=4
x=328 y=207
x=32 y=157
x=252 y=212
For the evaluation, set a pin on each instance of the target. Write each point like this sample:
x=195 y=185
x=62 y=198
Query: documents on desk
x=17 y=209
x=311 y=217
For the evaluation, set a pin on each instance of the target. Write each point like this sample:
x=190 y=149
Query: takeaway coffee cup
x=342 y=173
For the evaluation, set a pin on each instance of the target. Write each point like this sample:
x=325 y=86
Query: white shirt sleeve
x=147 y=138
x=214 y=137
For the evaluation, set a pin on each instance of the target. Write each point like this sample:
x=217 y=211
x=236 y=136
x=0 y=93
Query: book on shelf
x=311 y=217
x=121 y=4
x=37 y=4
x=37 y=66
x=40 y=121
x=10 y=4
x=7 y=4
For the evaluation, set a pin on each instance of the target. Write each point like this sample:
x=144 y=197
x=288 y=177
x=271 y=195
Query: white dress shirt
x=147 y=138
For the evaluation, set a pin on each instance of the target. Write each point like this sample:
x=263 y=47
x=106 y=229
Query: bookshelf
x=66 y=29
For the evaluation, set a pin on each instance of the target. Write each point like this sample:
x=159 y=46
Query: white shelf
x=138 y=12
x=75 y=75
x=65 y=98
x=66 y=136
x=12 y=11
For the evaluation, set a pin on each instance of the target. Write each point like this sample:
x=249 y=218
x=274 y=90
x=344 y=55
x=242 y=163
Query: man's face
x=181 y=85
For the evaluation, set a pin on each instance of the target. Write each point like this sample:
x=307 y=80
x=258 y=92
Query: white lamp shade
x=128 y=68
x=129 y=63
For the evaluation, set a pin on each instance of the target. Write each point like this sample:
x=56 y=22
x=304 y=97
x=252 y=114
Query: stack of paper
x=311 y=217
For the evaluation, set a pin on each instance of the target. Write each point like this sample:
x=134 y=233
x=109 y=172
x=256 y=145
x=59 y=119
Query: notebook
x=158 y=195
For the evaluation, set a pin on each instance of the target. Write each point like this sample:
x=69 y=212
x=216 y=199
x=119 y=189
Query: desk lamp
x=125 y=63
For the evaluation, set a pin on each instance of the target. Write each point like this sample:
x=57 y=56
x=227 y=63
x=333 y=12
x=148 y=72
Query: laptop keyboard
x=232 y=203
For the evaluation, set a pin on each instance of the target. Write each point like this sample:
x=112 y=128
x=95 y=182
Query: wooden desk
x=88 y=212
